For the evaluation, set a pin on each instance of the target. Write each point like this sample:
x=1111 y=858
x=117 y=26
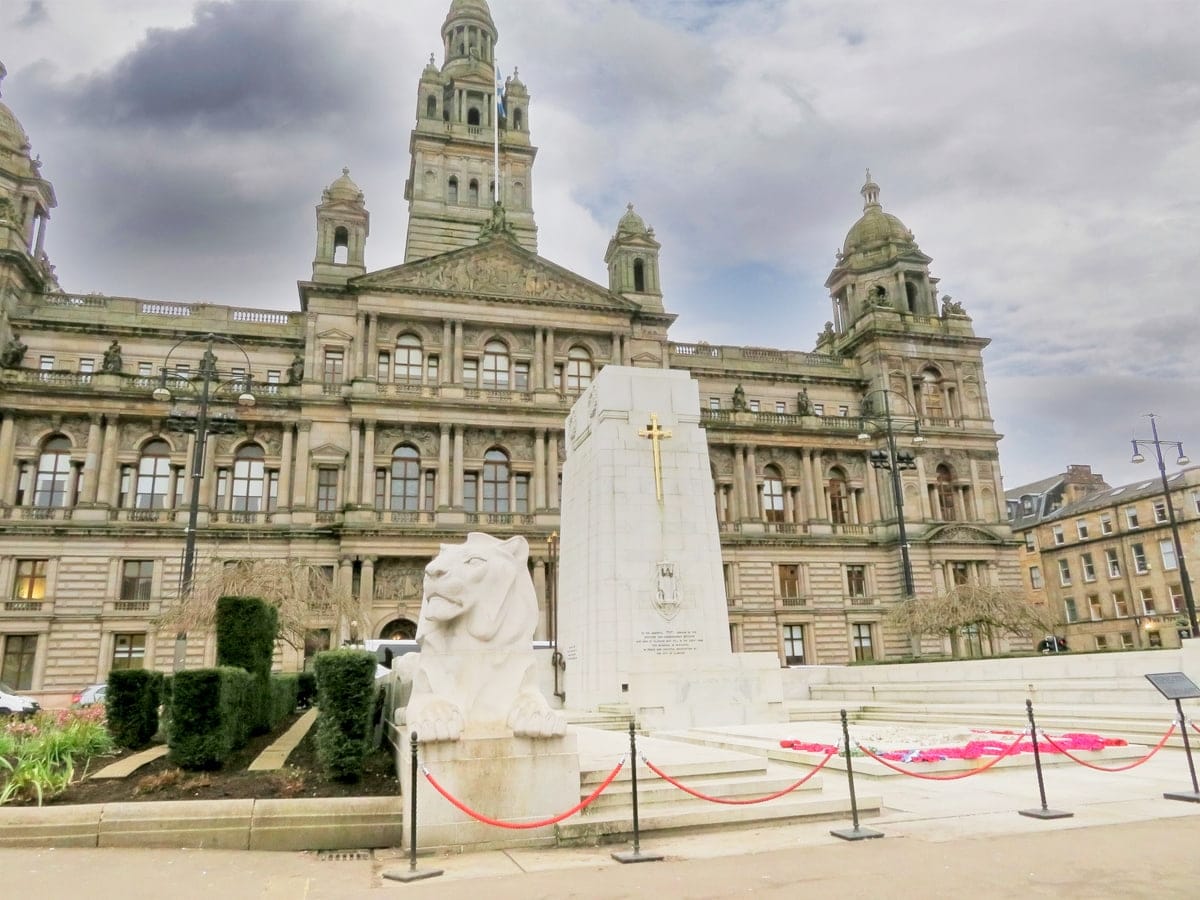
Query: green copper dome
x=876 y=227
x=631 y=223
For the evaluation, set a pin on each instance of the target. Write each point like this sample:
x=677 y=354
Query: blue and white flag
x=499 y=92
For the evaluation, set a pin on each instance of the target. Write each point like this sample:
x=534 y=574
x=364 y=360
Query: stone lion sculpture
x=475 y=673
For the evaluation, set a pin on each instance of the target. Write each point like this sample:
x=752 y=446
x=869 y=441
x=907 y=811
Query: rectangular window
x=818 y=409
x=87 y=366
x=272 y=490
x=789 y=582
x=860 y=633
x=780 y=406
x=856 y=581
x=137 y=576
x=1071 y=613
x=1089 y=567
x=754 y=406
x=1160 y=511
x=222 y=488
x=129 y=651
x=793 y=645
x=1106 y=525
x=1138 y=552
x=1064 y=572
x=1081 y=528
x=960 y=573
x=843 y=411
x=714 y=403
x=1154 y=638
x=335 y=365
x=1196 y=502
x=431 y=369
x=1147 y=597
x=521 y=376
x=20 y=652
x=521 y=493
x=383 y=367
x=46 y=363
x=381 y=489
x=471 y=372
x=1167 y=550
x=430 y=486
x=1126 y=640
x=1094 y=609
x=145 y=370
x=1059 y=537
x=327 y=483
x=273 y=376
x=1030 y=542
x=558 y=378
x=30 y=583
x=1120 y=605
x=1131 y=516
x=1113 y=562
x=470 y=491
x=1035 y=578
x=1101 y=642
x=1178 y=604
x=182 y=370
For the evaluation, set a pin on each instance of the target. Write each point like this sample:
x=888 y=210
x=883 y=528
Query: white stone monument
x=642 y=618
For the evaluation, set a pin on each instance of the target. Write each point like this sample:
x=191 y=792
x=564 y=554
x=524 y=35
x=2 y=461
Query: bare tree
x=989 y=610
x=306 y=595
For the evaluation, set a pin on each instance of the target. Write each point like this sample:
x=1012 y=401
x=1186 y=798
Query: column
x=550 y=359
x=552 y=470
x=209 y=471
x=926 y=507
x=443 y=477
x=539 y=361
x=367 y=495
x=8 y=465
x=876 y=511
x=355 y=361
x=458 y=353
x=616 y=349
x=300 y=492
x=456 y=472
x=752 y=505
x=91 y=473
x=372 y=370
x=352 y=476
x=346 y=575
x=310 y=349
x=366 y=587
x=739 y=483
x=108 y=463
x=819 y=508
x=539 y=469
x=446 y=363
x=285 y=470
x=539 y=589
x=789 y=504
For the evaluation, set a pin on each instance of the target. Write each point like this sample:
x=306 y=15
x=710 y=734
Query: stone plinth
x=510 y=779
x=737 y=689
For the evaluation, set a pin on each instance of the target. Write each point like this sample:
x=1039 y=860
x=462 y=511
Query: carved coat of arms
x=667 y=597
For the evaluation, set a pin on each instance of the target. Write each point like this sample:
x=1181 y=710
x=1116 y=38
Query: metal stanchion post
x=1194 y=796
x=636 y=855
x=412 y=873
x=1045 y=812
x=856 y=833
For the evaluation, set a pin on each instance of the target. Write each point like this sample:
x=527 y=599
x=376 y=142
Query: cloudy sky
x=1045 y=154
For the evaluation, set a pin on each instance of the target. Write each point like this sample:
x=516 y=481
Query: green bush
x=209 y=718
x=308 y=689
x=246 y=631
x=285 y=693
x=132 y=706
x=164 y=704
x=346 y=686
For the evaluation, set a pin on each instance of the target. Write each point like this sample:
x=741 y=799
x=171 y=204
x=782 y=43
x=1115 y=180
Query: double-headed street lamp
x=894 y=460
x=1158 y=444
x=207 y=383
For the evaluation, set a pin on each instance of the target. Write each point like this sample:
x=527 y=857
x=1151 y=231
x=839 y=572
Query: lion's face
x=482 y=584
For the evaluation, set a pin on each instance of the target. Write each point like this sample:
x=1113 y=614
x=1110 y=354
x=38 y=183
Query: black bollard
x=412 y=873
x=636 y=855
x=1045 y=812
x=1194 y=796
x=856 y=833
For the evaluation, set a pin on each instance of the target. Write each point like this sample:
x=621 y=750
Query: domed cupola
x=343 y=224
x=469 y=32
x=632 y=259
x=879 y=267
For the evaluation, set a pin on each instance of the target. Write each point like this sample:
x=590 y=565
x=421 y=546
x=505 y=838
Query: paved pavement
x=941 y=839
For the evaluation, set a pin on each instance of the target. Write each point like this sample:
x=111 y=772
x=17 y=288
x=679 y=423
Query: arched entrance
x=398 y=630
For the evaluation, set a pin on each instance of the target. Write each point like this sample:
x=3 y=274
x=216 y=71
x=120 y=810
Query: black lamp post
x=556 y=657
x=895 y=460
x=201 y=425
x=1158 y=444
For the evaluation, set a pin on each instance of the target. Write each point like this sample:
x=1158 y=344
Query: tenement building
x=403 y=406
x=1103 y=560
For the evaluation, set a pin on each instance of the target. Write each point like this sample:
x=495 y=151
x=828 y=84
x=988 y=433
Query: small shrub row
x=131 y=705
x=308 y=690
x=246 y=630
x=209 y=718
x=346 y=686
x=285 y=694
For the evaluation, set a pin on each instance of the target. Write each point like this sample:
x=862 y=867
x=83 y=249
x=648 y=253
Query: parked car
x=14 y=704
x=90 y=695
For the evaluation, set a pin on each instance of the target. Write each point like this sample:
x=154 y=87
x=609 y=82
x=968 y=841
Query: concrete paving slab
x=125 y=767
x=275 y=756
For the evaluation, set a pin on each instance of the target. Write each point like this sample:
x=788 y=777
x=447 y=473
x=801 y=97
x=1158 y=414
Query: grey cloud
x=35 y=14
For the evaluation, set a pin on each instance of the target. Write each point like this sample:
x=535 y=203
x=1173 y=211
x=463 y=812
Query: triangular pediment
x=335 y=334
x=329 y=453
x=961 y=534
x=499 y=268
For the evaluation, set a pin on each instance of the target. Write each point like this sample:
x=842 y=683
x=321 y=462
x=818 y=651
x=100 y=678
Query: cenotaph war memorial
x=643 y=618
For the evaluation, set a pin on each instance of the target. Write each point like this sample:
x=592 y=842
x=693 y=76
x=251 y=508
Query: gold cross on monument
x=656 y=434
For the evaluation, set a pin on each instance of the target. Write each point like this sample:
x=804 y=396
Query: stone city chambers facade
x=402 y=407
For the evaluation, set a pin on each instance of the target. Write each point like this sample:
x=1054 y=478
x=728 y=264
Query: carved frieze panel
x=399 y=580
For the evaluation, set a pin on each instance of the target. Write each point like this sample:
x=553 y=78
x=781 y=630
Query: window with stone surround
x=1101 y=642
x=471 y=491
x=1113 y=562
x=579 y=370
x=793 y=645
x=1081 y=529
x=408 y=359
x=154 y=473
x=405 y=477
x=1064 y=572
x=521 y=376
x=1146 y=595
x=470 y=372
x=1138 y=553
x=1030 y=542
x=1070 y=613
x=335 y=365
x=496 y=482
x=20 y=653
x=862 y=639
x=496 y=366
x=781 y=406
x=1106 y=523
x=129 y=650
x=1120 y=604
x=521 y=493
x=789 y=581
x=54 y=474
x=1035 y=578
x=137 y=581
x=772 y=494
x=838 y=507
x=1178 y=603
x=29 y=585
x=1154 y=638
x=1059 y=536
x=1166 y=550
x=1131 y=516
x=1160 y=512
x=1089 y=567
x=1094 y=607
x=856 y=581
x=1126 y=640
x=383 y=366
x=327 y=489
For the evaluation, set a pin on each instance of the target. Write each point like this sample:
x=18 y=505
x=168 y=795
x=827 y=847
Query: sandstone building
x=402 y=406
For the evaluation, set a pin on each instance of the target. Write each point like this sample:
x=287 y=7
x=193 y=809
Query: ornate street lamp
x=207 y=383
x=1182 y=460
x=894 y=460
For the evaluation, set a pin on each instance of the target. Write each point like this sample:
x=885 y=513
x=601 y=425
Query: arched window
x=406 y=479
x=431 y=107
x=945 y=493
x=341 y=245
x=518 y=119
x=495 y=482
x=639 y=276
x=54 y=473
x=495 y=365
x=452 y=192
x=473 y=116
x=517 y=200
x=838 y=497
x=154 y=476
x=579 y=370
x=772 y=494
x=408 y=358
x=473 y=192
x=249 y=471
x=933 y=398
x=878 y=294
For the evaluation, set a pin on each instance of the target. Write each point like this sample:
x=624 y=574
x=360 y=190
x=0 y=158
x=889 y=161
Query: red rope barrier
x=1193 y=724
x=1133 y=765
x=747 y=802
x=487 y=820
x=952 y=777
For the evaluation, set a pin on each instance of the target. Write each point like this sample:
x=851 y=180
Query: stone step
x=656 y=793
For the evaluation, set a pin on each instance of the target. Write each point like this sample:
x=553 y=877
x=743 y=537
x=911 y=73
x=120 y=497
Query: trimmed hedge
x=285 y=693
x=246 y=631
x=209 y=716
x=308 y=689
x=131 y=705
x=346 y=686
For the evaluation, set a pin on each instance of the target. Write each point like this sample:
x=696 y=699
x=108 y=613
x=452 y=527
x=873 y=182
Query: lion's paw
x=437 y=720
x=531 y=717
